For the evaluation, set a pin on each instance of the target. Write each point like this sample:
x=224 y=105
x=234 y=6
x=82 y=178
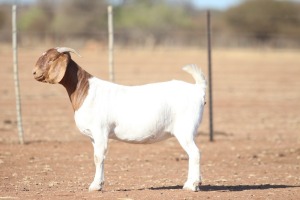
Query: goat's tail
x=197 y=74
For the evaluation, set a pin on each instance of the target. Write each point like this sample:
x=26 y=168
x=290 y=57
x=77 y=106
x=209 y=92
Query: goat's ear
x=58 y=68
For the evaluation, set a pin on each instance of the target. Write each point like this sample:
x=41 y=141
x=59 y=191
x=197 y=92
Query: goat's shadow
x=224 y=188
x=228 y=187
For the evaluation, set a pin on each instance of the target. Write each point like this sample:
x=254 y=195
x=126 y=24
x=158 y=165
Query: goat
x=134 y=114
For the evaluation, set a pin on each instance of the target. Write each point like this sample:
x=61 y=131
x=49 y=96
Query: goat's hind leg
x=194 y=177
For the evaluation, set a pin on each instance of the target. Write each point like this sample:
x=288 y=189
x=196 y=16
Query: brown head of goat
x=56 y=66
x=51 y=66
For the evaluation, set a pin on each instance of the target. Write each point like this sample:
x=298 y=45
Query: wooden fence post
x=110 y=44
x=16 y=73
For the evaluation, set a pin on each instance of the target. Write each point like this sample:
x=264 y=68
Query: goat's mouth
x=39 y=78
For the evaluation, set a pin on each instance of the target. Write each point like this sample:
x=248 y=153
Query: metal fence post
x=211 y=127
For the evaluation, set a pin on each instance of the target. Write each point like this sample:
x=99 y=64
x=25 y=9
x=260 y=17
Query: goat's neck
x=76 y=83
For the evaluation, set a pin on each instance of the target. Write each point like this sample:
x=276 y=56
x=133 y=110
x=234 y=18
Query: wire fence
x=194 y=39
x=47 y=114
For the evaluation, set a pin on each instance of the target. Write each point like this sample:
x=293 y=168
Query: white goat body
x=134 y=114
x=140 y=114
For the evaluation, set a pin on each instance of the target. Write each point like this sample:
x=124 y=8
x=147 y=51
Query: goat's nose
x=33 y=72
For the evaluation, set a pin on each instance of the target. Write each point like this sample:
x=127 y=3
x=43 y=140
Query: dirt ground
x=255 y=155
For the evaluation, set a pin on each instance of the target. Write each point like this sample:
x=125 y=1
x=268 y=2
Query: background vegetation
x=153 y=22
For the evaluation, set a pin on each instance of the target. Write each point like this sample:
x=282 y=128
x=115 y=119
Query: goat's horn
x=67 y=49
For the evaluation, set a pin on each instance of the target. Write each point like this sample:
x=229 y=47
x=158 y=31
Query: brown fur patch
x=76 y=83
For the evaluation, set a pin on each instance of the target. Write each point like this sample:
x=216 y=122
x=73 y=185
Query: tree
x=264 y=18
x=34 y=20
x=80 y=17
x=2 y=19
x=152 y=19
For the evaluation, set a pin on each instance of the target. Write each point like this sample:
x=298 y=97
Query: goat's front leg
x=100 y=147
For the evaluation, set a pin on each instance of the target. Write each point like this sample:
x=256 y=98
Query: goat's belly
x=136 y=137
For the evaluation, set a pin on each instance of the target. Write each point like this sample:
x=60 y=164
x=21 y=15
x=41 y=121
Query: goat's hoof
x=95 y=187
x=192 y=186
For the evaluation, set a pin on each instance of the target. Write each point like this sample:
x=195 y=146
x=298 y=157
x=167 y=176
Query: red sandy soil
x=255 y=155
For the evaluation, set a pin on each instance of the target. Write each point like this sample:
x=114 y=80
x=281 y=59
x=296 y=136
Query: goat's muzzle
x=37 y=76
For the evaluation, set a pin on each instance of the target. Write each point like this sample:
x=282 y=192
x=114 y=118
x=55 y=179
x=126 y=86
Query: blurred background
x=151 y=23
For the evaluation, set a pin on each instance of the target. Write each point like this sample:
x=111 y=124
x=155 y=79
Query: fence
x=46 y=115
x=110 y=61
